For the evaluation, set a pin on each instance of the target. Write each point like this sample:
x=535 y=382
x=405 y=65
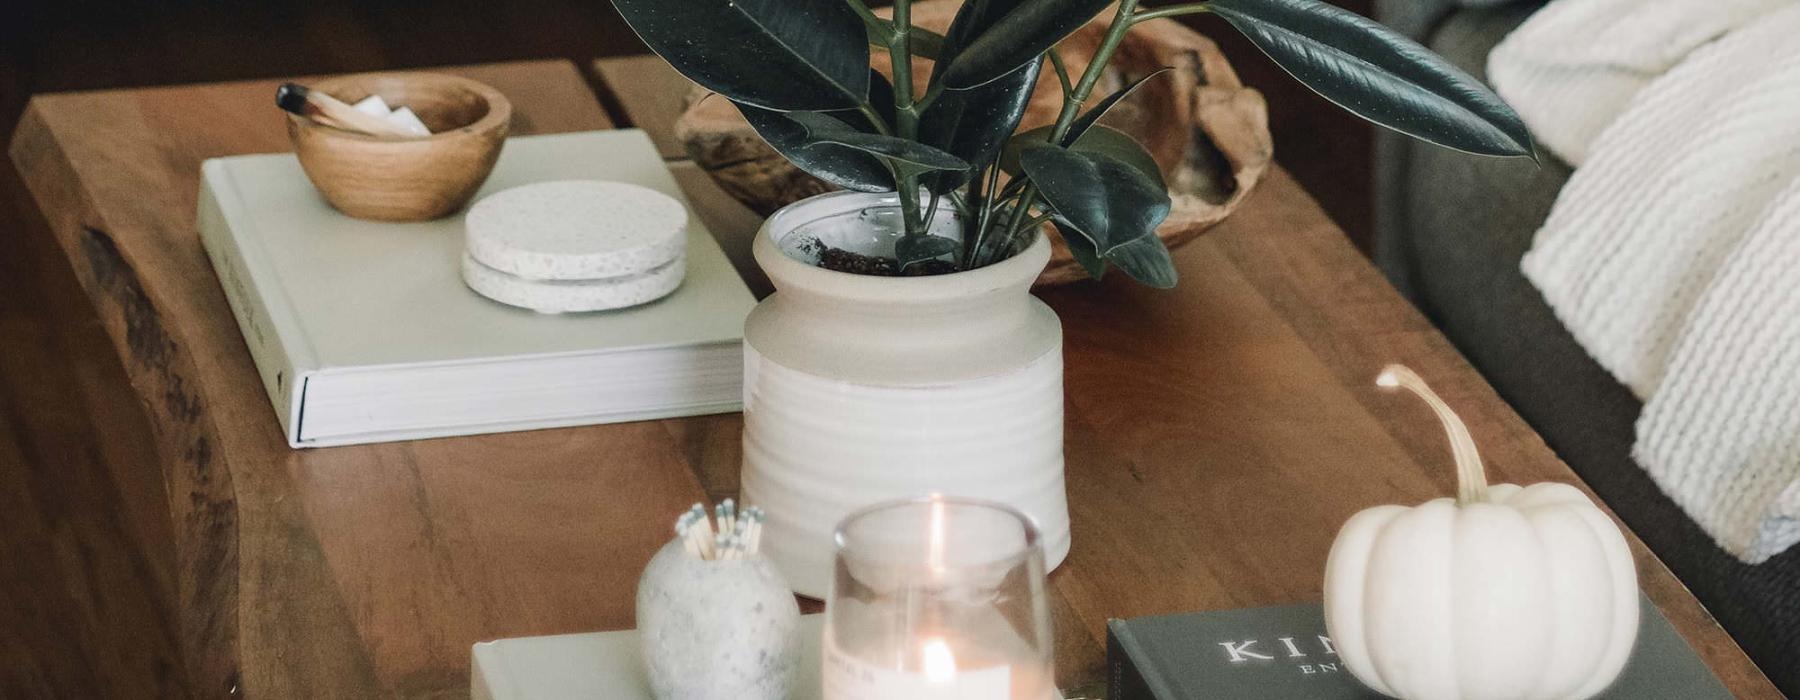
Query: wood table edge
x=160 y=369
x=202 y=499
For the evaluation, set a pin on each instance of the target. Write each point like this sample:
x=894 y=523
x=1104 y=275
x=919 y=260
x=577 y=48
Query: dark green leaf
x=825 y=129
x=1018 y=145
x=1101 y=139
x=923 y=43
x=1018 y=37
x=973 y=19
x=775 y=54
x=1379 y=75
x=1110 y=203
x=974 y=124
x=1106 y=140
x=844 y=167
x=914 y=249
x=1082 y=250
x=1147 y=261
x=1086 y=121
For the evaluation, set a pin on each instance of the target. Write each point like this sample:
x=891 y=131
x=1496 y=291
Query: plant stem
x=972 y=242
x=1072 y=102
x=1170 y=11
x=1035 y=222
x=1115 y=34
x=1012 y=189
x=974 y=230
x=900 y=53
x=906 y=115
x=1062 y=71
x=994 y=195
x=863 y=11
x=974 y=216
x=931 y=95
x=875 y=118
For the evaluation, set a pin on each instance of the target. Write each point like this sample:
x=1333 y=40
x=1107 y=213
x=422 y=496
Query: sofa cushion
x=1452 y=229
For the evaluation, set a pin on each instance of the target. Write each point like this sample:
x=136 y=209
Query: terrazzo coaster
x=576 y=230
x=573 y=296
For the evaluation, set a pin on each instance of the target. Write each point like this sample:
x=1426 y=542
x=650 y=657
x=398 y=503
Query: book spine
x=280 y=374
x=1124 y=679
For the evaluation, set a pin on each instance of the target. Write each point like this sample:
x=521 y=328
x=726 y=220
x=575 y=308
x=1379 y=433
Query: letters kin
x=1284 y=648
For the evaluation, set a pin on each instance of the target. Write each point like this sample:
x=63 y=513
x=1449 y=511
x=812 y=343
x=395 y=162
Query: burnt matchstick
x=331 y=111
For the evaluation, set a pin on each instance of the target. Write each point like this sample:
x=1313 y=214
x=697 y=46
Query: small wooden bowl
x=388 y=179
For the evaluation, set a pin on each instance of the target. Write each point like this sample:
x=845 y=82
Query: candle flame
x=936 y=554
x=940 y=663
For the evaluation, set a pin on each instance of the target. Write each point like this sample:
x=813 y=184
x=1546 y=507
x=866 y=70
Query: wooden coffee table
x=1218 y=434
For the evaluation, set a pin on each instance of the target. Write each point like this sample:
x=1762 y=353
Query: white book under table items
x=365 y=331
x=602 y=666
x=597 y=666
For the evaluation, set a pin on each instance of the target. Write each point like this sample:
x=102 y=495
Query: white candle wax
x=936 y=670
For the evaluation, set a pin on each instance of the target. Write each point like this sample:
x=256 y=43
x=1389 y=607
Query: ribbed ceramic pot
x=860 y=389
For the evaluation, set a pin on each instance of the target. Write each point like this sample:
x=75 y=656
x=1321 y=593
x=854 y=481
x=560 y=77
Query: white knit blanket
x=1673 y=254
x=1571 y=69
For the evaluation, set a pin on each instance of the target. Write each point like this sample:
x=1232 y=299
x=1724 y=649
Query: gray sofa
x=1451 y=229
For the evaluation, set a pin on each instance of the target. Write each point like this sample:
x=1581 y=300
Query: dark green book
x=1282 y=652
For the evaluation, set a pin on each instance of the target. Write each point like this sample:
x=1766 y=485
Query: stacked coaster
x=575 y=245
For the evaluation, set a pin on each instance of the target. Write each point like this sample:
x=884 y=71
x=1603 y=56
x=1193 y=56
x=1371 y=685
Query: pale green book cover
x=363 y=331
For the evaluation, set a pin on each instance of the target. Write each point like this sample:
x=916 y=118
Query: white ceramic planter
x=860 y=389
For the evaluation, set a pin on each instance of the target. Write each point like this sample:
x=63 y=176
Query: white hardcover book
x=363 y=331
x=603 y=666
x=596 y=666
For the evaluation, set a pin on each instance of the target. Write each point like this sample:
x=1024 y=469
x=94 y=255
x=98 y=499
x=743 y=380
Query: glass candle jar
x=938 y=597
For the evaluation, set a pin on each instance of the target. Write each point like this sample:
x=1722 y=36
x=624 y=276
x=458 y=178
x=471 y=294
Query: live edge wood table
x=1218 y=434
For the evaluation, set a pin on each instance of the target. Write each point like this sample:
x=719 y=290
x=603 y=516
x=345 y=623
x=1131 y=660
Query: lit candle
x=928 y=601
x=933 y=673
x=940 y=663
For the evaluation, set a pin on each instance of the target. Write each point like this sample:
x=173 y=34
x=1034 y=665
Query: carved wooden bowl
x=1209 y=133
x=371 y=177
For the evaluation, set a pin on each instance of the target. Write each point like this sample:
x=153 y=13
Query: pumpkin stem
x=1471 y=479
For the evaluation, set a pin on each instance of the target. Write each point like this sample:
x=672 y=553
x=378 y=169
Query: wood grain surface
x=1217 y=434
x=84 y=529
x=335 y=572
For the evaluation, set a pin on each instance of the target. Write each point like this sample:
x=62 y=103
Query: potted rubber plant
x=902 y=352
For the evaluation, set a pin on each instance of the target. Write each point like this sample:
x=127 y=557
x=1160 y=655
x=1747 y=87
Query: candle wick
x=936 y=554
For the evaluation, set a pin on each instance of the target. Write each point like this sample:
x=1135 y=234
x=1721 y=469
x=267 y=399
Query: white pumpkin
x=1504 y=592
